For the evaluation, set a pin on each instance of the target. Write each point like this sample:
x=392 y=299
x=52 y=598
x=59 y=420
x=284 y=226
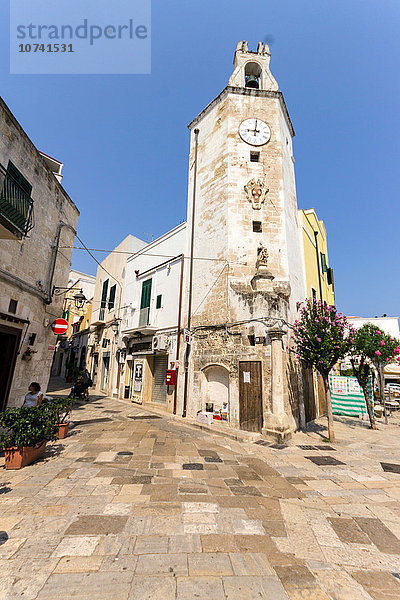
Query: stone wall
x=25 y=264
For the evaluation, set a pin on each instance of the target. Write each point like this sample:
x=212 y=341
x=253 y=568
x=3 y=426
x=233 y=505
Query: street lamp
x=115 y=326
x=79 y=299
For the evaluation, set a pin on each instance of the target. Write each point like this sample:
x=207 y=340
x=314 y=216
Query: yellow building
x=319 y=276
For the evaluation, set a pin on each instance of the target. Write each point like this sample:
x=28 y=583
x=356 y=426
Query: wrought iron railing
x=16 y=206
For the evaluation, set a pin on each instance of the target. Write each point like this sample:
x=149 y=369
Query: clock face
x=254 y=132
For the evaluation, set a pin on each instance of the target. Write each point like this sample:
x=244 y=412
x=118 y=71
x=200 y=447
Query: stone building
x=36 y=218
x=245 y=240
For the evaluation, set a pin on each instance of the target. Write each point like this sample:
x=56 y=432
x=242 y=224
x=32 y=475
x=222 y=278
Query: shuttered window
x=19 y=178
x=111 y=299
x=159 y=393
x=159 y=301
x=104 y=294
x=146 y=294
x=324 y=266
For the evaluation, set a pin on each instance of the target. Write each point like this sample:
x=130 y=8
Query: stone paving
x=134 y=506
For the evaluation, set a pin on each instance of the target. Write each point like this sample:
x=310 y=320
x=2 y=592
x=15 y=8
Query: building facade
x=318 y=273
x=36 y=218
x=151 y=322
x=102 y=359
x=247 y=269
x=71 y=350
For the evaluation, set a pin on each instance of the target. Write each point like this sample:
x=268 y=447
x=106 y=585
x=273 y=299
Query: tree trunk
x=369 y=406
x=331 y=432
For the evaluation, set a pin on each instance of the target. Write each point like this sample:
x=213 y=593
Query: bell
x=252 y=82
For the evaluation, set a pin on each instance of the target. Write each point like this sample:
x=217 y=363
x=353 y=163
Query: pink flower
x=382 y=343
x=377 y=352
x=379 y=333
x=318 y=339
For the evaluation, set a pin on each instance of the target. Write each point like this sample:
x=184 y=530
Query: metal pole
x=318 y=264
x=178 y=334
x=189 y=321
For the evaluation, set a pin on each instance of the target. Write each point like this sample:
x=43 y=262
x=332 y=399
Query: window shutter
x=146 y=294
x=111 y=299
x=104 y=294
x=159 y=300
x=323 y=263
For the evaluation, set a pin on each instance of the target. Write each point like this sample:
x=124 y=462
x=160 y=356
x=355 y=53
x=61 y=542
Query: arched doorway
x=217 y=388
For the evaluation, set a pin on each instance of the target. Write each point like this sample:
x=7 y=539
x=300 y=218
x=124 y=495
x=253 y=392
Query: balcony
x=98 y=317
x=139 y=323
x=16 y=208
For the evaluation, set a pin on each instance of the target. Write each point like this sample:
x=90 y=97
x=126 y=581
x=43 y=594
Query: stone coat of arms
x=256 y=191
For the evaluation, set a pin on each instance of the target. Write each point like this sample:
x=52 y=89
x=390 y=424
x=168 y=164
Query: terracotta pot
x=16 y=458
x=62 y=430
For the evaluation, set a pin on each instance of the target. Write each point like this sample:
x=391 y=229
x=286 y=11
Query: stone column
x=276 y=422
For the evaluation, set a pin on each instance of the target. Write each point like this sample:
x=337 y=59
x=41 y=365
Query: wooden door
x=250 y=396
x=310 y=407
x=9 y=341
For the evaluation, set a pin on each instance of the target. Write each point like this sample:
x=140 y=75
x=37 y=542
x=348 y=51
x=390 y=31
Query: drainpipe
x=178 y=335
x=189 y=321
x=53 y=259
x=318 y=264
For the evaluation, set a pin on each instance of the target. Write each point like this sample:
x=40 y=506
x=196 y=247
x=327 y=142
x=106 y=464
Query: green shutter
x=324 y=266
x=146 y=294
x=158 y=302
x=111 y=299
x=19 y=178
x=104 y=294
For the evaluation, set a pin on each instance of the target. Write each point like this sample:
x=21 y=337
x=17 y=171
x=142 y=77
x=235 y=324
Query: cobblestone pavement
x=134 y=506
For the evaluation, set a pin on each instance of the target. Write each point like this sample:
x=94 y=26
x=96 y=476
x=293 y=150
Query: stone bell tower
x=247 y=270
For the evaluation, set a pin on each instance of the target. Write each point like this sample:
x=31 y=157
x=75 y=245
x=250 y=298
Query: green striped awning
x=347 y=396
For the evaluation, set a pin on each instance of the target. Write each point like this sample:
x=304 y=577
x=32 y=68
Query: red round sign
x=59 y=326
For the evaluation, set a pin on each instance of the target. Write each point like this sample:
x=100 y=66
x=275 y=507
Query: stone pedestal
x=277 y=426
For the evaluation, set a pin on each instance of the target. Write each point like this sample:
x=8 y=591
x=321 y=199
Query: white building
x=150 y=319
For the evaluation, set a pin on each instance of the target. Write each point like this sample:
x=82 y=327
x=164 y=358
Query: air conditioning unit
x=160 y=342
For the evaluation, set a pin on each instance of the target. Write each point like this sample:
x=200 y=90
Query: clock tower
x=244 y=268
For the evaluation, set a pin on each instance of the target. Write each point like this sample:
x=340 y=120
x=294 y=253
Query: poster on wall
x=137 y=385
x=339 y=385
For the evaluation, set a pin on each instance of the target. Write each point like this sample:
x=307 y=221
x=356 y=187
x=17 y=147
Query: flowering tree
x=322 y=337
x=372 y=346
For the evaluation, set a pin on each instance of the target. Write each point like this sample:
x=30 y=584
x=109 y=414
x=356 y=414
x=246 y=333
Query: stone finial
x=245 y=46
x=260 y=48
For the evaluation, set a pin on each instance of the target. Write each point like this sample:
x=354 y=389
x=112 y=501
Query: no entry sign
x=59 y=326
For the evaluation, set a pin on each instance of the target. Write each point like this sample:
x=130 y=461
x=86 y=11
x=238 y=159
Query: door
x=250 y=396
x=9 y=342
x=308 y=395
x=159 y=393
x=104 y=373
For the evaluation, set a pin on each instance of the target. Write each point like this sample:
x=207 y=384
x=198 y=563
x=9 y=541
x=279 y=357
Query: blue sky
x=124 y=140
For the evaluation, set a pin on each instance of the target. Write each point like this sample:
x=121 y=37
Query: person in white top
x=34 y=396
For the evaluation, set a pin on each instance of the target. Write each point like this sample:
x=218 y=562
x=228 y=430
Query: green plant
x=62 y=408
x=27 y=426
x=322 y=337
x=372 y=347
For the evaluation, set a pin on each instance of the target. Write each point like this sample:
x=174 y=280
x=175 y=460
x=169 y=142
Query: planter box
x=16 y=458
x=62 y=430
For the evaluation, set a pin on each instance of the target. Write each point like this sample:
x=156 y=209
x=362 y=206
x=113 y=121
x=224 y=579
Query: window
x=158 y=301
x=314 y=294
x=104 y=294
x=12 y=307
x=146 y=294
x=257 y=226
x=19 y=178
x=111 y=298
x=254 y=157
x=324 y=266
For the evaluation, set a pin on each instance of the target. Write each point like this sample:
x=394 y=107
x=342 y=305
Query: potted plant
x=25 y=434
x=61 y=407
